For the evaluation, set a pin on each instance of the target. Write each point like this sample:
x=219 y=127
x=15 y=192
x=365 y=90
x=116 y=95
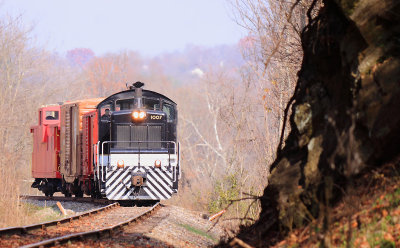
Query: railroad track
x=96 y=223
x=62 y=198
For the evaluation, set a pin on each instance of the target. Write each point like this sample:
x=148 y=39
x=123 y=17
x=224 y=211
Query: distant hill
x=194 y=60
x=182 y=67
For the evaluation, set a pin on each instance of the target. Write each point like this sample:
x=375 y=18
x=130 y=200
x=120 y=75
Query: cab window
x=124 y=104
x=151 y=104
x=105 y=112
x=148 y=103
x=51 y=115
x=169 y=111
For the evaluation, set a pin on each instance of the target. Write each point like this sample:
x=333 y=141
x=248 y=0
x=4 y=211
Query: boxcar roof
x=93 y=101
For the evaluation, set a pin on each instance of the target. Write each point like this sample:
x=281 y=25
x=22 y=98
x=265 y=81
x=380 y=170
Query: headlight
x=138 y=115
x=120 y=164
x=157 y=163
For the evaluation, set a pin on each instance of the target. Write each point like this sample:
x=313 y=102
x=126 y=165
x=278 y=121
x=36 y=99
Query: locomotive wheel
x=146 y=203
x=95 y=192
x=79 y=194
x=49 y=194
x=47 y=188
x=95 y=195
x=67 y=194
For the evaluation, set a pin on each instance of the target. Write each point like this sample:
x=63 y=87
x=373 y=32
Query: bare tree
x=29 y=78
x=273 y=51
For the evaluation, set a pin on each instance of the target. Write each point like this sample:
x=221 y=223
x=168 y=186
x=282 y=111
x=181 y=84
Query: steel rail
x=63 y=198
x=92 y=234
x=43 y=225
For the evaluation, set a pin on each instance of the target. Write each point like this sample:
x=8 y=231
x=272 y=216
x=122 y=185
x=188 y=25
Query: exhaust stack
x=138 y=94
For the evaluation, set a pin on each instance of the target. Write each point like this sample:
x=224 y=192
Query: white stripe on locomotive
x=115 y=187
x=158 y=184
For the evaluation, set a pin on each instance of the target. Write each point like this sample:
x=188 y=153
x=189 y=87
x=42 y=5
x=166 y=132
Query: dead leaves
x=375 y=224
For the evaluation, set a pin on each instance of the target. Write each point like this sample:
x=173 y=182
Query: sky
x=150 y=27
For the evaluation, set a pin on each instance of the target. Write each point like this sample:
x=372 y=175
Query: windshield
x=148 y=103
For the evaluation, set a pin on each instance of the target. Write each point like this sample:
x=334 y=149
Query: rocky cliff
x=345 y=113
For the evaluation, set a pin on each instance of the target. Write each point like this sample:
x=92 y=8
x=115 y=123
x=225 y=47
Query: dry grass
x=12 y=212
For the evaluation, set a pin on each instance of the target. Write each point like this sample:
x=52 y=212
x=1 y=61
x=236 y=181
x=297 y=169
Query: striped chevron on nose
x=157 y=186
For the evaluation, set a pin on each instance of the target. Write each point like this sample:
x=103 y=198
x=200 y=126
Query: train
x=123 y=147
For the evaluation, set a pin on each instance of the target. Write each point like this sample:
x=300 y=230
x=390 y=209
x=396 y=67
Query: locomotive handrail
x=169 y=154
x=102 y=163
x=161 y=141
x=97 y=159
x=179 y=160
x=169 y=162
x=139 y=142
x=174 y=174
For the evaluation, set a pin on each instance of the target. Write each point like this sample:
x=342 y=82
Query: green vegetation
x=32 y=208
x=228 y=194
x=197 y=231
x=41 y=214
x=225 y=191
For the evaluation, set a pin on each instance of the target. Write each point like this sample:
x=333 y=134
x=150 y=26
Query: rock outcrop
x=345 y=114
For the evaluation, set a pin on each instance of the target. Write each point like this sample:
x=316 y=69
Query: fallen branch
x=239 y=242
